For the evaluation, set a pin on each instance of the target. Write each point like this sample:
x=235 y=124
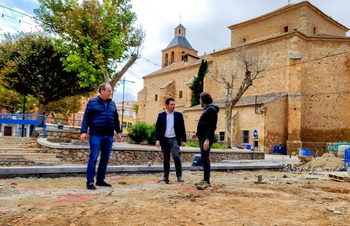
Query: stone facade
x=301 y=98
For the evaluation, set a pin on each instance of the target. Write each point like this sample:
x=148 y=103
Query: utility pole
x=74 y=102
x=23 y=112
x=121 y=127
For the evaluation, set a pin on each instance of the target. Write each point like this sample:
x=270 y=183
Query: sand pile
x=326 y=161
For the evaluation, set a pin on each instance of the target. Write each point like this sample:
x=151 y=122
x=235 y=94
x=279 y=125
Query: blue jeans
x=98 y=143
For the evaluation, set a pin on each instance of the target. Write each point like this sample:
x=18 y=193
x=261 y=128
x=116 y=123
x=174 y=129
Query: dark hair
x=102 y=86
x=167 y=101
x=206 y=98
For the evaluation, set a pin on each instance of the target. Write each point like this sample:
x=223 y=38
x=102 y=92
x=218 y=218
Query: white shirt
x=169 y=131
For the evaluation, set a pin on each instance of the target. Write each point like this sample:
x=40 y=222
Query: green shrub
x=150 y=133
x=216 y=138
x=192 y=143
x=218 y=146
x=138 y=132
x=141 y=132
x=215 y=145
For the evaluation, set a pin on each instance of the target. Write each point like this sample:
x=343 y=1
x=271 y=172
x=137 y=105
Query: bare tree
x=246 y=66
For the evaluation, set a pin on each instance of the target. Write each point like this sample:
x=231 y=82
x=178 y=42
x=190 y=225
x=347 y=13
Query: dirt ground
x=235 y=198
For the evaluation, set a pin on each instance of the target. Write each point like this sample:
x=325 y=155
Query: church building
x=301 y=100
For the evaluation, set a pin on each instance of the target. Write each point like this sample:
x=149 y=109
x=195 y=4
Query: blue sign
x=255 y=134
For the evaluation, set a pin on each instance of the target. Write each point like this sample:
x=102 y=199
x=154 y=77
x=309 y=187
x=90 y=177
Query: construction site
x=277 y=190
x=286 y=161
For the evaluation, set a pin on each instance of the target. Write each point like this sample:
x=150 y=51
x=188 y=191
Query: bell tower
x=179 y=49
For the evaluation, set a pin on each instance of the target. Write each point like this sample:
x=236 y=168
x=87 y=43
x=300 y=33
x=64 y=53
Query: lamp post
x=74 y=111
x=123 y=101
x=23 y=111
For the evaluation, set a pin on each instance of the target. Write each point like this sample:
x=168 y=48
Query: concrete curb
x=33 y=170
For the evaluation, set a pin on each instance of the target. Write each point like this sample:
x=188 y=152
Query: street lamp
x=23 y=112
x=123 y=101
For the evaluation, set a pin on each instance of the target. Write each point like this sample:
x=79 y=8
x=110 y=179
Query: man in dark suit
x=170 y=134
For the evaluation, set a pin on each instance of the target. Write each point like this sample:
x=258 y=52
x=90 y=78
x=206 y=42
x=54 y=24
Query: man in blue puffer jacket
x=101 y=117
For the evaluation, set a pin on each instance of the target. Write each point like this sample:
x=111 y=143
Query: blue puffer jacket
x=101 y=117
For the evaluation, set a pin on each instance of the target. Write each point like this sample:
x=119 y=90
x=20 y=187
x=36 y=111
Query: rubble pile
x=328 y=162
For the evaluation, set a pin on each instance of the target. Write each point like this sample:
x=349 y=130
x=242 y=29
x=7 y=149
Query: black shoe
x=165 y=180
x=199 y=183
x=103 y=184
x=180 y=179
x=203 y=186
x=91 y=186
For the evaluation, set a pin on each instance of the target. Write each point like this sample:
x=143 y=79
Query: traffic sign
x=255 y=134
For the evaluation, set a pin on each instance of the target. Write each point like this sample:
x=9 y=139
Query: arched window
x=172 y=57
x=166 y=60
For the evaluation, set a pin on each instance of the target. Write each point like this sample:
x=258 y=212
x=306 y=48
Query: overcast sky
x=206 y=23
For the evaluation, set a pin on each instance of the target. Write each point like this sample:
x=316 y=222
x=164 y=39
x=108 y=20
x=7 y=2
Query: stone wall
x=62 y=134
x=145 y=157
x=137 y=155
x=128 y=154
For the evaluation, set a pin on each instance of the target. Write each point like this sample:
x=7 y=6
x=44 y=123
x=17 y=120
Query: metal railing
x=65 y=122
x=31 y=120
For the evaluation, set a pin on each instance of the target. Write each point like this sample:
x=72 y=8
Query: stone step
x=21 y=150
x=8 y=159
x=28 y=159
x=24 y=151
x=8 y=138
x=26 y=162
x=18 y=141
x=28 y=155
x=18 y=144
x=14 y=161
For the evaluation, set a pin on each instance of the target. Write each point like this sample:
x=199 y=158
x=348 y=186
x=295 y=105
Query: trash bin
x=341 y=150
x=249 y=146
x=196 y=160
x=304 y=152
x=279 y=149
x=347 y=159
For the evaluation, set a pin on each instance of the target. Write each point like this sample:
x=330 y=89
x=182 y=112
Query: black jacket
x=179 y=127
x=207 y=123
x=101 y=117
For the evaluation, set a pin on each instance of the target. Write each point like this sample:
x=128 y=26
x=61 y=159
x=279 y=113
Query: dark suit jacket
x=179 y=127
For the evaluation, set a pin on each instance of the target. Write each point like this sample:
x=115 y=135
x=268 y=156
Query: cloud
x=206 y=21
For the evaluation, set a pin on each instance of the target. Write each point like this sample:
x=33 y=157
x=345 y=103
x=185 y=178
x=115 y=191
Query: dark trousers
x=205 y=160
x=170 y=146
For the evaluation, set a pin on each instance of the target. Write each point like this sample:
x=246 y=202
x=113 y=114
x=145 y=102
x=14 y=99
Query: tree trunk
x=105 y=75
x=40 y=109
x=120 y=74
x=228 y=126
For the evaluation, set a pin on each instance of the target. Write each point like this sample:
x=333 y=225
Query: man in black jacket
x=101 y=117
x=205 y=133
x=170 y=134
